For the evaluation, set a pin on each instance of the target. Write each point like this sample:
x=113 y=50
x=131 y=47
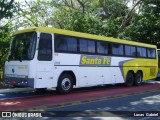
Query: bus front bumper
x=19 y=82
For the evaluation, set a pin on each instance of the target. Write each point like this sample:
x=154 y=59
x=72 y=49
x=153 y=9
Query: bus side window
x=83 y=45
x=87 y=46
x=141 y=52
x=130 y=50
x=45 y=47
x=60 y=43
x=91 y=46
x=151 y=53
x=66 y=44
x=117 y=49
x=102 y=48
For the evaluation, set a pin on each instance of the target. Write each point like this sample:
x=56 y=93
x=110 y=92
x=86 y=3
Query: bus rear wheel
x=129 y=79
x=65 y=84
x=138 y=78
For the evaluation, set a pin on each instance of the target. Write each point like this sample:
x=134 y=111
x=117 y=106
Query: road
x=106 y=101
x=121 y=107
x=147 y=101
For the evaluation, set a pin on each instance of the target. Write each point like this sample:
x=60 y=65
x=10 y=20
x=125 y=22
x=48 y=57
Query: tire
x=129 y=79
x=138 y=78
x=65 y=84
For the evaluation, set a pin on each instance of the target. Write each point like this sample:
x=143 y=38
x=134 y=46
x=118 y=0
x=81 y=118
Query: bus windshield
x=23 y=46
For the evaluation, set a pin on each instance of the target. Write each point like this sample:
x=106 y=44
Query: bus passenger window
x=65 y=43
x=72 y=44
x=117 y=49
x=87 y=46
x=91 y=46
x=60 y=43
x=83 y=45
x=151 y=53
x=102 y=48
x=45 y=47
x=130 y=50
x=141 y=52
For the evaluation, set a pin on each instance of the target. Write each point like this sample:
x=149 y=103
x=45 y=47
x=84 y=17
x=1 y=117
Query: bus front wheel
x=138 y=78
x=65 y=84
x=129 y=79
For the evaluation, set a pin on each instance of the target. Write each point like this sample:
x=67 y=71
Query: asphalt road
x=122 y=107
x=125 y=106
x=149 y=101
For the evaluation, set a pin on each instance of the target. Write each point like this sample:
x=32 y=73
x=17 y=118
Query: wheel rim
x=66 y=84
x=139 y=79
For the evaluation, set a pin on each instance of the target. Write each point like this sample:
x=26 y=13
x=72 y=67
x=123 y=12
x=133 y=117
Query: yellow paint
x=83 y=35
x=22 y=67
x=86 y=60
x=149 y=67
x=106 y=60
x=94 y=60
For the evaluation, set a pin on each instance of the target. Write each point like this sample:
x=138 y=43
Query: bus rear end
x=158 y=75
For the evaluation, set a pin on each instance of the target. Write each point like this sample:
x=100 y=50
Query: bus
x=158 y=75
x=44 y=58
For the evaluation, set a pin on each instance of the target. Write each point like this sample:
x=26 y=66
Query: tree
x=6 y=12
x=130 y=14
x=34 y=13
x=146 y=25
x=4 y=44
x=101 y=17
x=6 y=7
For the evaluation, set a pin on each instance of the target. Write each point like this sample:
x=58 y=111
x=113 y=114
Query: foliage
x=101 y=17
x=6 y=12
x=146 y=25
x=34 y=13
x=4 y=44
x=6 y=9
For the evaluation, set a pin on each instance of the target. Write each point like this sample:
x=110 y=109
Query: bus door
x=44 y=62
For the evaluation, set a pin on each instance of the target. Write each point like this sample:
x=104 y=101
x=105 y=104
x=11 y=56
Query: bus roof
x=83 y=35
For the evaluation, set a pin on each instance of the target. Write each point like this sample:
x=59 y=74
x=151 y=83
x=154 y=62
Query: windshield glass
x=23 y=46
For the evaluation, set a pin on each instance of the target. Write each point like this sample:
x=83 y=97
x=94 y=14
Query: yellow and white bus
x=158 y=75
x=48 y=57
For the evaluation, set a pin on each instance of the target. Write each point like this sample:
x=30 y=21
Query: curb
x=11 y=90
